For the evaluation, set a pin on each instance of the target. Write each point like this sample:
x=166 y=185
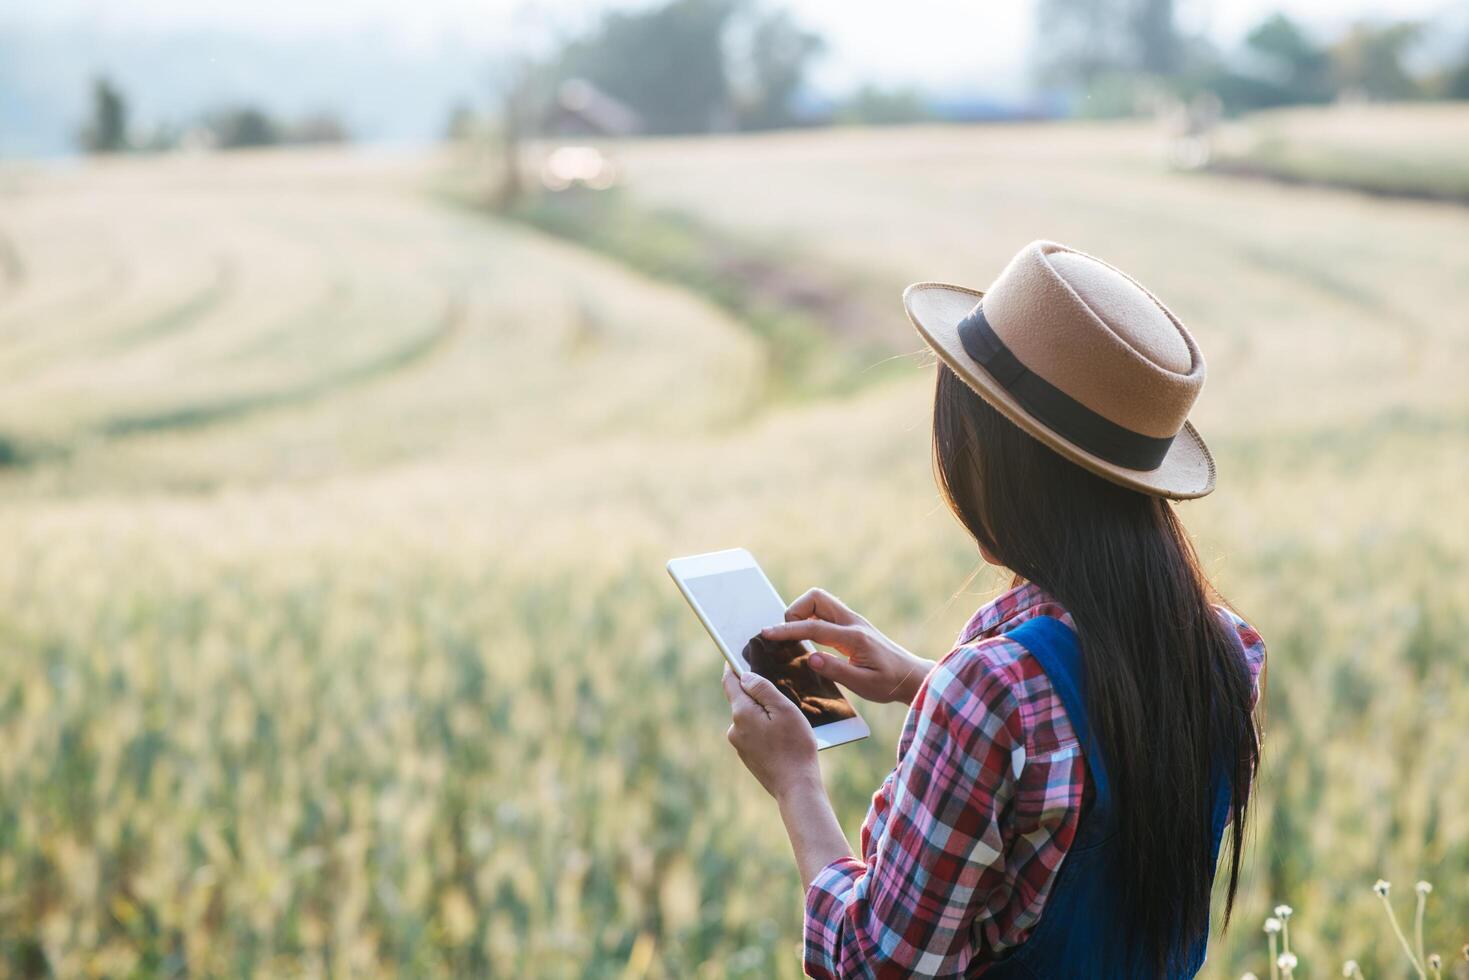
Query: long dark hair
x=1167 y=690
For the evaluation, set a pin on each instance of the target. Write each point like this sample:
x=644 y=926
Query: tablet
x=735 y=601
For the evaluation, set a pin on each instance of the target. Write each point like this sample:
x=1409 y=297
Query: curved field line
x=337 y=295
x=417 y=349
x=104 y=289
x=1389 y=190
x=180 y=315
x=1295 y=269
x=12 y=266
x=1287 y=266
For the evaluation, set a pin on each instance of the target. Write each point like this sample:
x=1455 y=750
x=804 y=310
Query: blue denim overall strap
x=1080 y=932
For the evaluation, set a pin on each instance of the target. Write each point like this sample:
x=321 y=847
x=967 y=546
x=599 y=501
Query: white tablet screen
x=742 y=602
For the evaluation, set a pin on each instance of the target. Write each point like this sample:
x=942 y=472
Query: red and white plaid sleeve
x=1254 y=646
x=960 y=837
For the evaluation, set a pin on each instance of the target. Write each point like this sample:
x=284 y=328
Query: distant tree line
x=108 y=128
x=688 y=66
x=679 y=67
x=693 y=66
x=1114 y=53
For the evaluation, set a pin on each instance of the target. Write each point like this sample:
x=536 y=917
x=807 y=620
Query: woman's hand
x=773 y=738
x=874 y=667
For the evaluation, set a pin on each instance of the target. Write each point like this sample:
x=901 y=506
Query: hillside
x=337 y=633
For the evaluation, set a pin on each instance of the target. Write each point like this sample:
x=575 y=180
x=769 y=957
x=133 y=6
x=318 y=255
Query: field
x=335 y=634
x=1406 y=150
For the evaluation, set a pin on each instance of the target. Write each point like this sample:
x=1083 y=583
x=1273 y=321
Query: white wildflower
x=1272 y=925
x=1286 y=961
x=1382 y=887
x=1424 y=887
x=1283 y=911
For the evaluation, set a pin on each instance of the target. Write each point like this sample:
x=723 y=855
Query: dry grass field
x=1413 y=149
x=335 y=634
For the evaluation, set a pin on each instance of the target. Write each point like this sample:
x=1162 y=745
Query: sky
x=869 y=39
x=381 y=62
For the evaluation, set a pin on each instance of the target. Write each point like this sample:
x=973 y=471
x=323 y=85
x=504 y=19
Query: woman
x=1066 y=774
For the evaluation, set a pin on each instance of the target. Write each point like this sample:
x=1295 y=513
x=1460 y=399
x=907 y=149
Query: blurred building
x=579 y=117
x=581 y=109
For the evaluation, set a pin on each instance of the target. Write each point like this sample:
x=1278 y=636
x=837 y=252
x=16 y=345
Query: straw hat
x=1084 y=359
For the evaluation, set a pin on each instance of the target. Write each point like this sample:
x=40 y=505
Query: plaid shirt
x=965 y=836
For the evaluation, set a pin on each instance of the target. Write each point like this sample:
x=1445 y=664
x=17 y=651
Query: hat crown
x=1128 y=310
x=1097 y=335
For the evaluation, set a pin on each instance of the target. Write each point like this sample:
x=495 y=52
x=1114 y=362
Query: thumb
x=760 y=689
x=838 y=669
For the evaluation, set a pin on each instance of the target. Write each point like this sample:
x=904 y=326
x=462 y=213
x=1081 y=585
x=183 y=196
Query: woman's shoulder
x=998 y=674
x=1249 y=637
x=998 y=659
x=1001 y=674
x=985 y=668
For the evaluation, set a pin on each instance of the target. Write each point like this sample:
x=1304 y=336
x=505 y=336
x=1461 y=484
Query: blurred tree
x=319 y=127
x=159 y=139
x=460 y=124
x=871 y=105
x=1369 y=60
x=1238 y=92
x=243 y=126
x=1457 y=85
x=1302 y=69
x=517 y=87
x=107 y=130
x=1159 y=49
x=1079 y=41
x=1087 y=43
x=774 y=67
x=667 y=62
x=1285 y=66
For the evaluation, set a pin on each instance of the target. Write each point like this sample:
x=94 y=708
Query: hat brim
x=936 y=308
